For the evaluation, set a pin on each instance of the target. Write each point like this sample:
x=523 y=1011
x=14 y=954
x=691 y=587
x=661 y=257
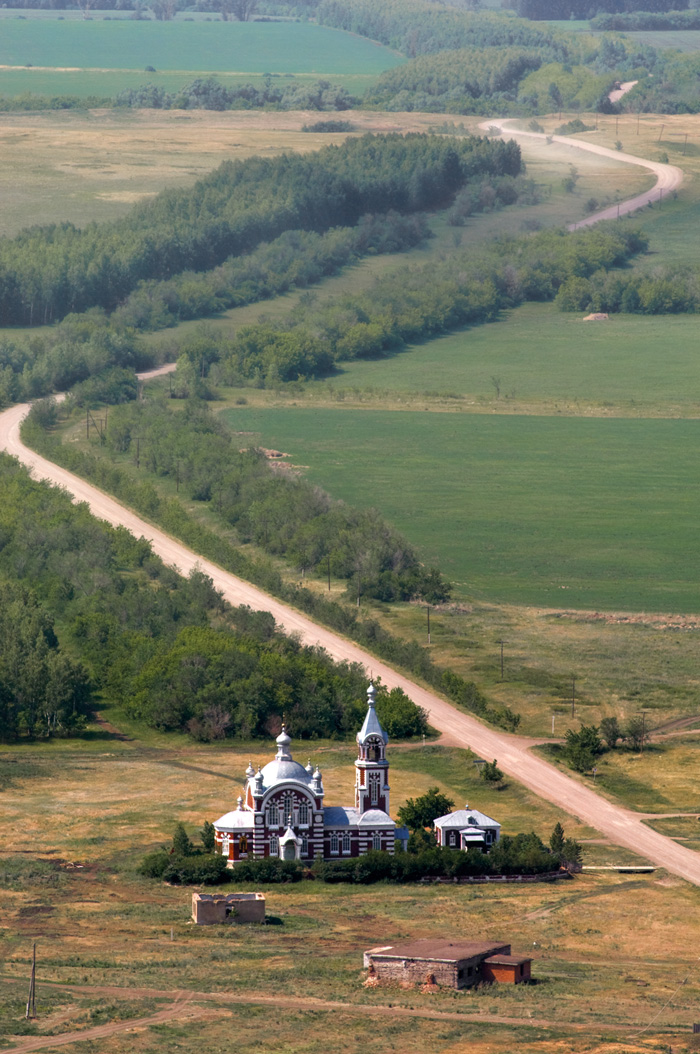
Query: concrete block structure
x=210 y=909
x=457 y=964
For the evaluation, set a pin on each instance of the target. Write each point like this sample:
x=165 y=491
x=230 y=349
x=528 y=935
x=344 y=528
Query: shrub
x=207 y=869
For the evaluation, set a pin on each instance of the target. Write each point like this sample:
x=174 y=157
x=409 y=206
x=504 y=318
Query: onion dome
x=250 y=771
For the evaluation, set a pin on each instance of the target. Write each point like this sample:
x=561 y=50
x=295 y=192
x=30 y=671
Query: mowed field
x=242 y=47
x=112 y=946
x=536 y=510
x=544 y=361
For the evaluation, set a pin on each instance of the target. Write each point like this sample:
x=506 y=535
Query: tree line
x=407 y=304
x=166 y=649
x=207 y=93
x=171 y=514
x=49 y=272
x=665 y=291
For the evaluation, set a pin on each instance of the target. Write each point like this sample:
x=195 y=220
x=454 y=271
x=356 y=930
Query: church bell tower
x=371 y=767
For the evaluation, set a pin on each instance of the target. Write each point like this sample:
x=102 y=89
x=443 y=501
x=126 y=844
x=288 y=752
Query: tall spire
x=371 y=725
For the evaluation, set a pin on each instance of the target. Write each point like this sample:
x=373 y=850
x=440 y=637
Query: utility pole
x=660 y=134
x=553 y=719
x=573 y=694
x=177 y=476
x=428 y=610
x=329 y=573
x=31 y=1001
x=644 y=728
x=501 y=642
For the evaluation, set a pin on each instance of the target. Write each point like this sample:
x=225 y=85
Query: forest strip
x=620 y=825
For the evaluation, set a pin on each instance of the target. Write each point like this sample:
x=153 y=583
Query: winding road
x=621 y=826
x=668 y=177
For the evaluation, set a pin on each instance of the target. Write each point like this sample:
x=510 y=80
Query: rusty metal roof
x=445 y=951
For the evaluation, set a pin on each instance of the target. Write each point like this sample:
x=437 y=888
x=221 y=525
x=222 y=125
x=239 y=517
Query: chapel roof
x=461 y=818
x=371 y=725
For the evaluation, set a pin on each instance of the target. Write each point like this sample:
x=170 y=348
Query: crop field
x=236 y=47
x=534 y=510
x=545 y=361
x=112 y=946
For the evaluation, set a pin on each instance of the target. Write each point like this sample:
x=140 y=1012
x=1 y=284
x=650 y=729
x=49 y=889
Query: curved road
x=620 y=825
x=668 y=177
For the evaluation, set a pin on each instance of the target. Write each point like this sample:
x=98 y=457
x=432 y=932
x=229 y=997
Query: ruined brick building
x=282 y=811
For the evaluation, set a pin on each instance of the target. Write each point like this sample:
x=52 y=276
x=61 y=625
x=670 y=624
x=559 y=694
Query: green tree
x=490 y=772
x=610 y=731
x=208 y=836
x=422 y=811
x=582 y=747
x=182 y=846
x=556 y=839
x=635 y=732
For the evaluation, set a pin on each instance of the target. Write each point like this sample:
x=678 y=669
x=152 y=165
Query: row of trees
x=295 y=259
x=207 y=93
x=583 y=747
x=48 y=272
x=408 y=304
x=165 y=648
x=171 y=514
x=282 y=513
x=664 y=291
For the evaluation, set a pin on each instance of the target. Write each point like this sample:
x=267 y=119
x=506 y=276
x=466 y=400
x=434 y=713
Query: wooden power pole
x=31 y=1001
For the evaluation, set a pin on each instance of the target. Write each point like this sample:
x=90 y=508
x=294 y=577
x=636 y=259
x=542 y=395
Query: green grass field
x=240 y=47
x=535 y=510
x=105 y=84
x=547 y=361
x=682 y=39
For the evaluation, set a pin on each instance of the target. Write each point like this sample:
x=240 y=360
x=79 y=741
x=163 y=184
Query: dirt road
x=180 y=1008
x=668 y=177
x=620 y=825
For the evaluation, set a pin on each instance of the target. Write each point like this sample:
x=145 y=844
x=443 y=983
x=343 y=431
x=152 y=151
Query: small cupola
x=283 y=743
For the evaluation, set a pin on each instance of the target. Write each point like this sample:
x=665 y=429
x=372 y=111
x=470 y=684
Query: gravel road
x=621 y=826
x=668 y=177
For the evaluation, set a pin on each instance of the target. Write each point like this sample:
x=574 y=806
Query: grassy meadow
x=545 y=362
x=546 y=511
x=113 y=946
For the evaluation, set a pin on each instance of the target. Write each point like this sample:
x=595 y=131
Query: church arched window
x=346 y=841
x=273 y=814
x=374 y=787
x=303 y=812
x=305 y=847
x=334 y=843
x=376 y=840
x=274 y=845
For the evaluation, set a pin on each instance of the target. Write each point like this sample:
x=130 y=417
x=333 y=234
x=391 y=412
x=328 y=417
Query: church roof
x=375 y=818
x=235 y=820
x=371 y=725
x=462 y=818
x=283 y=767
x=340 y=816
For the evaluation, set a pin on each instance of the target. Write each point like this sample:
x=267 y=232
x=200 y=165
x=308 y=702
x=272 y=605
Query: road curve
x=668 y=177
x=621 y=826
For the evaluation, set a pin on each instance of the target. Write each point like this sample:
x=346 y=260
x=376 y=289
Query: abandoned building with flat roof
x=209 y=909
x=451 y=964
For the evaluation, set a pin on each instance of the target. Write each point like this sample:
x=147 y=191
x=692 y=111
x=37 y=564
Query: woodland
x=165 y=649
